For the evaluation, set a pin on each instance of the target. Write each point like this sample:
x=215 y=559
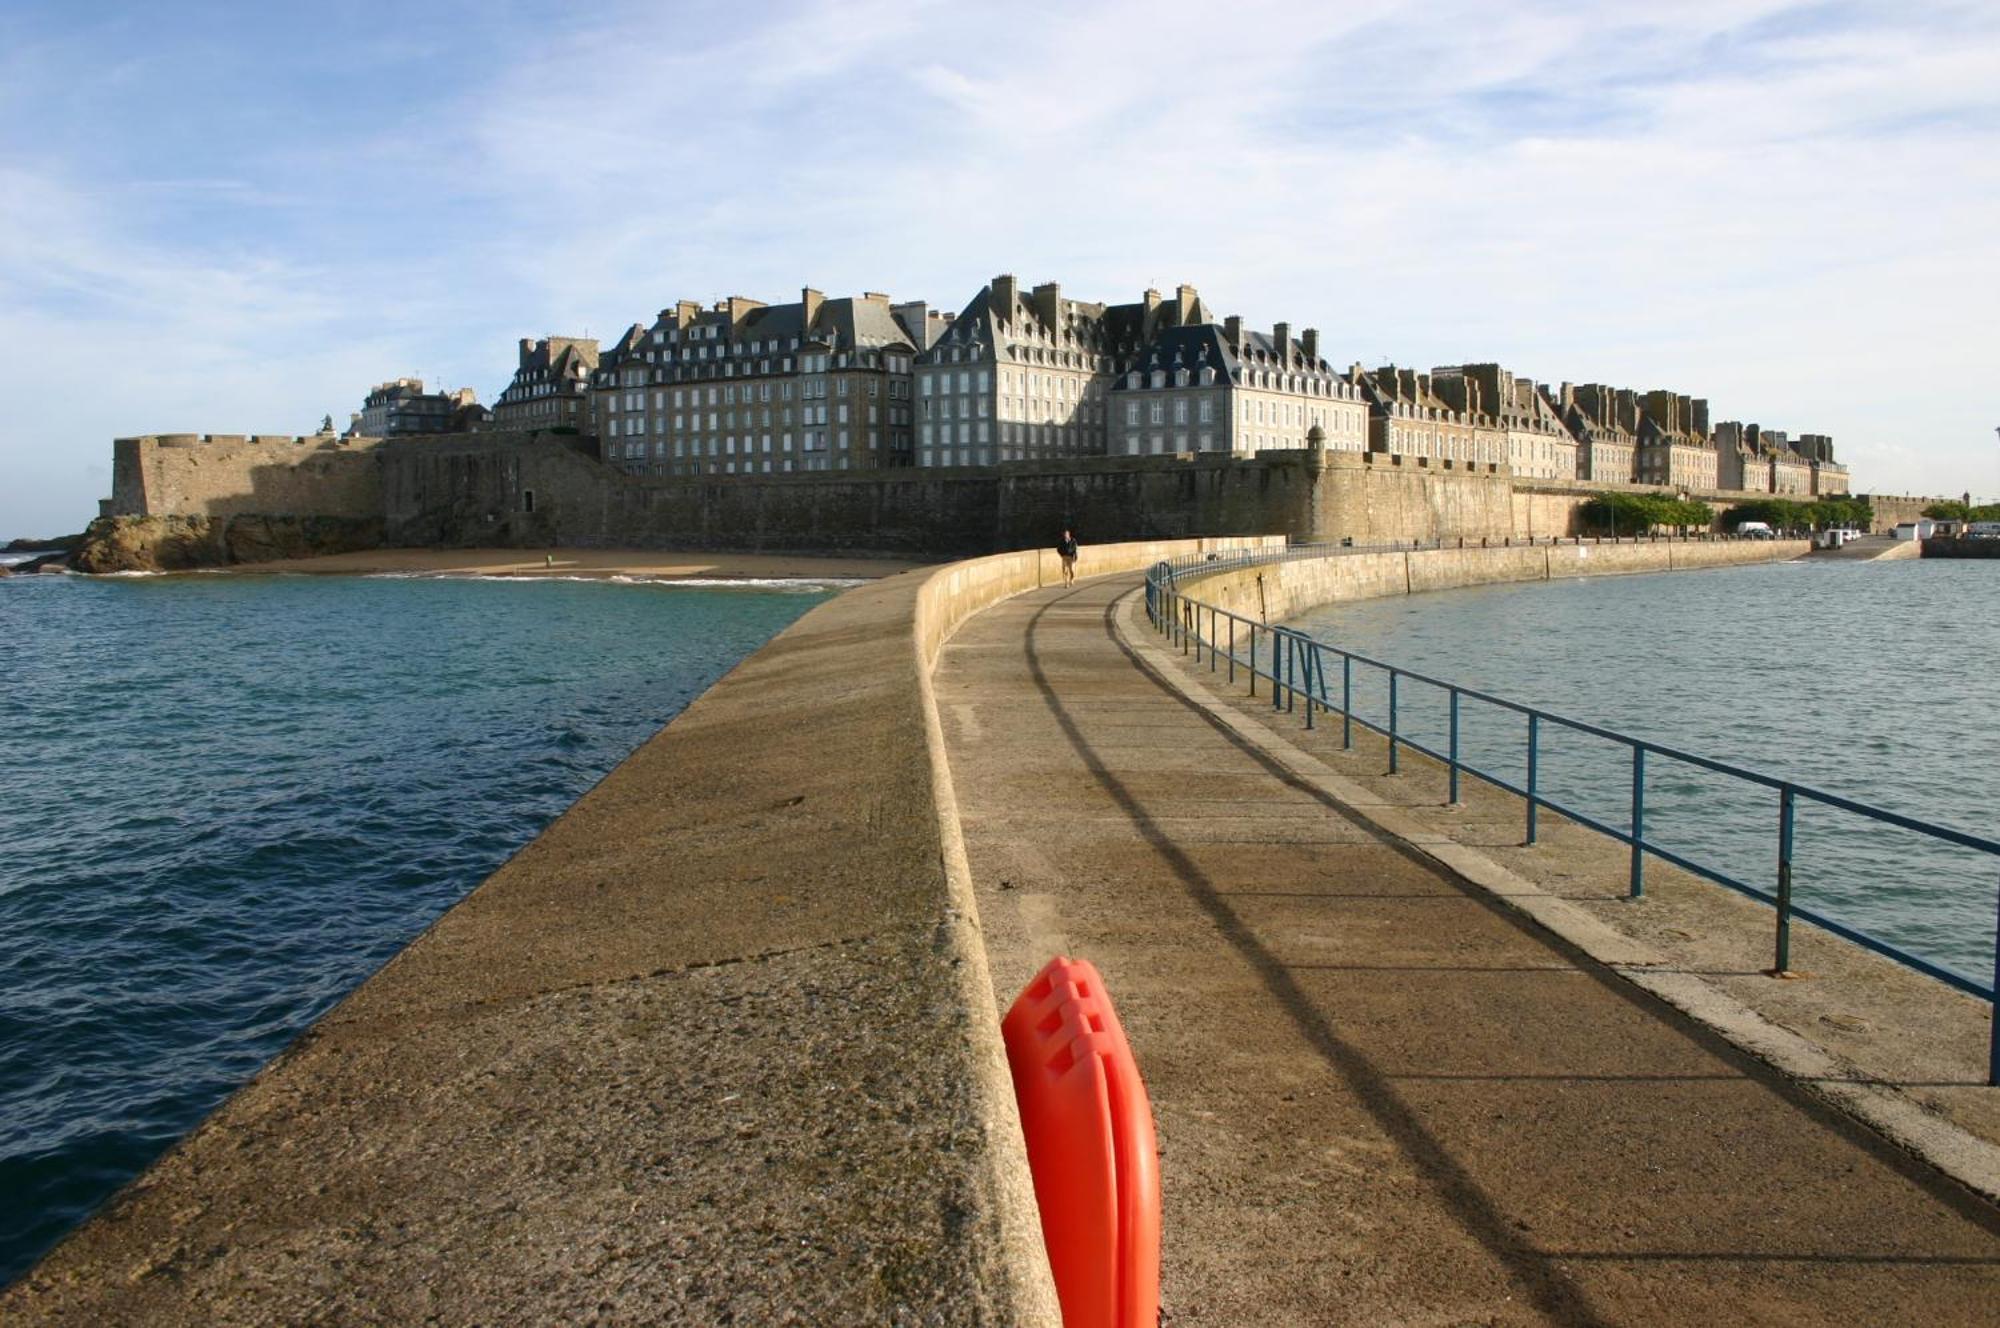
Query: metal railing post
x=1212 y=633
x=1993 y=1036
x=1785 y=810
x=1534 y=771
x=1232 y=649
x=1392 y=721
x=1453 y=763
x=1346 y=701
x=1309 y=654
x=1638 y=822
x=1253 y=659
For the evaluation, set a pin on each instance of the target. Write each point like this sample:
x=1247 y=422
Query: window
x=1131 y=412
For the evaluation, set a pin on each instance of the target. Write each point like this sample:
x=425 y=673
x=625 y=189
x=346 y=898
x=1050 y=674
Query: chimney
x=1048 y=306
x=1311 y=339
x=1281 y=339
x=1006 y=290
x=1187 y=300
x=1232 y=328
x=875 y=297
x=809 y=303
x=684 y=313
x=915 y=320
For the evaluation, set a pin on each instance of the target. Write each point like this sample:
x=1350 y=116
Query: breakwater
x=230 y=799
x=720 y=1039
x=1276 y=591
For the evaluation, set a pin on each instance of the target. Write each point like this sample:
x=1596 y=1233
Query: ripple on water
x=1810 y=671
x=228 y=799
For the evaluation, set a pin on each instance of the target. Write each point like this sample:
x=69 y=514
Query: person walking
x=1066 y=550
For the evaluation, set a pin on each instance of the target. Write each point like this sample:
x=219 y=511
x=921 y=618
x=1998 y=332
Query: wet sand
x=650 y=563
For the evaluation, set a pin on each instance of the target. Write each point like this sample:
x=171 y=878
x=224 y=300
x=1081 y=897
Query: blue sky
x=235 y=218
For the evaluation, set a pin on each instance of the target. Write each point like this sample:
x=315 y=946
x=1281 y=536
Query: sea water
x=226 y=799
x=1876 y=681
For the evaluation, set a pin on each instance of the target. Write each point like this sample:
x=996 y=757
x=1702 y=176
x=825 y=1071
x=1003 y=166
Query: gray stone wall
x=521 y=489
x=226 y=475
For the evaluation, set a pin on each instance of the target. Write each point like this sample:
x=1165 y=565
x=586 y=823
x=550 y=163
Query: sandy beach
x=653 y=564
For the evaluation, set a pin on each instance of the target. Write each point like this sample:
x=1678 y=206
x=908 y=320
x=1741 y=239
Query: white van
x=1756 y=530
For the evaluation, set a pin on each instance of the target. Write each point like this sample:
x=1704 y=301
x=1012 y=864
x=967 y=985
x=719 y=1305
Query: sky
x=237 y=218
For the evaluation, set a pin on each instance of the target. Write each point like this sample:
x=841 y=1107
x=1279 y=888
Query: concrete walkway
x=1382 y=1098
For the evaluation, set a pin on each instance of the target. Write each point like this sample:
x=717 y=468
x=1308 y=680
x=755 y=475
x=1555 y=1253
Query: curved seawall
x=720 y=1042
x=1276 y=591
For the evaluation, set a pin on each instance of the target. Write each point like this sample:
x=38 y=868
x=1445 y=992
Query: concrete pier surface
x=1384 y=1097
x=721 y=1045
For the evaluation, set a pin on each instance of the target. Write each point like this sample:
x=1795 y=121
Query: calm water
x=226 y=800
x=1876 y=681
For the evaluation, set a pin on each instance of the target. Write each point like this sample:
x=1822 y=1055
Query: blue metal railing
x=1295 y=665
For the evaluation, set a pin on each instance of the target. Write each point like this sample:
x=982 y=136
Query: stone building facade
x=551 y=388
x=1674 y=449
x=1605 y=423
x=1829 y=477
x=1536 y=443
x=1408 y=417
x=1739 y=463
x=1207 y=387
x=1027 y=376
x=401 y=406
x=748 y=388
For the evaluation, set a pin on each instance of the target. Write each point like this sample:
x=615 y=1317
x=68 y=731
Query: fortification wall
x=226 y=475
x=506 y=489
x=524 y=489
x=1274 y=592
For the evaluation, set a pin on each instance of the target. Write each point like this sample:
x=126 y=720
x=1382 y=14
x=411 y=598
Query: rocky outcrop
x=62 y=542
x=184 y=543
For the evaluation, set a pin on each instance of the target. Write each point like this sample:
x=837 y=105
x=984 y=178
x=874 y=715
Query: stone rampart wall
x=1277 y=591
x=226 y=475
x=523 y=489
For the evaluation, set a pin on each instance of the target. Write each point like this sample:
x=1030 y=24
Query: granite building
x=551 y=388
x=1025 y=377
x=1408 y=417
x=1739 y=461
x=401 y=406
x=1208 y=387
x=1535 y=442
x=1674 y=449
x=749 y=388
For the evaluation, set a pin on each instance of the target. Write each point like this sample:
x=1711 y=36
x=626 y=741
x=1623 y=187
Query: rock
x=65 y=543
x=180 y=543
x=149 y=544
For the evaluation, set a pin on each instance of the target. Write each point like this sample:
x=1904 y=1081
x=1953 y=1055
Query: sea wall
x=1946 y=546
x=511 y=490
x=539 y=490
x=1276 y=591
x=719 y=1046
